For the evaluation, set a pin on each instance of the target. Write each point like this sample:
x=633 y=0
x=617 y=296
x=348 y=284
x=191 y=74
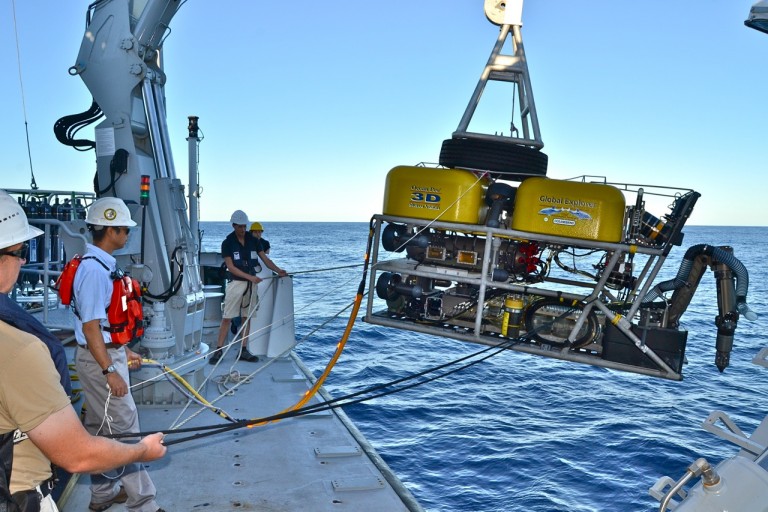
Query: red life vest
x=124 y=314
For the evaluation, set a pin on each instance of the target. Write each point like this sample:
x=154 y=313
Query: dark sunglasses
x=127 y=230
x=21 y=253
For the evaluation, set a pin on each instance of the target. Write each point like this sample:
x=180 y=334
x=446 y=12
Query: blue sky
x=305 y=106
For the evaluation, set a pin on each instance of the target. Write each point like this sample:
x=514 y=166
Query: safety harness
x=124 y=314
x=20 y=501
x=6 y=461
x=251 y=266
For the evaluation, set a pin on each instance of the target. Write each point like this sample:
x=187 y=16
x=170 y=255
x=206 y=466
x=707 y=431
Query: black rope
x=346 y=400
x=336 y=402
x=33 y=182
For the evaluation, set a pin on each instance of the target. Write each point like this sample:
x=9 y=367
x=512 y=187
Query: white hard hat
x=239 y=217
x=14 y=227
x=109 y=211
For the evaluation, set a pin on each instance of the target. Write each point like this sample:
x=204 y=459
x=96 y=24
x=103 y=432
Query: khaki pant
x=123 y=418
x=240 y=298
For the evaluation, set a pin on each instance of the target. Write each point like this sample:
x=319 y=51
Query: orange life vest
x=124 y=314
x=126 y=319
x=65 y=284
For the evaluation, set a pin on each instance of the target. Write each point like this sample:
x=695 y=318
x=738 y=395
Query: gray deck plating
x=310 y=463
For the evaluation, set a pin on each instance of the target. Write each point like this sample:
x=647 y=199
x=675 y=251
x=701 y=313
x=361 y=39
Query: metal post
x=194 y=186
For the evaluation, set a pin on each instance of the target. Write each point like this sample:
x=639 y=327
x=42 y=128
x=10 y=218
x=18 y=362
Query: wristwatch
x=110 y=369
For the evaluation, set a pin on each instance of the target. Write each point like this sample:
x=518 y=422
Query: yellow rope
x=189 y=388
x=339 y=348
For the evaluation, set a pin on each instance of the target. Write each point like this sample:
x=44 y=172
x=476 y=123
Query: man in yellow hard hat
x=257 y=230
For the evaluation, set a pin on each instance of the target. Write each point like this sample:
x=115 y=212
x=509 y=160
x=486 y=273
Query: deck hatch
x=338 y=451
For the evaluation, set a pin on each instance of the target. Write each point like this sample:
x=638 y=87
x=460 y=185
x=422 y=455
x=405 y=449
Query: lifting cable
x=33 y=183
x=354 y=265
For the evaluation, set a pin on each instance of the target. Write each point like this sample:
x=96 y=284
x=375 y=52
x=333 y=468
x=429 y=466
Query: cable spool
x=551 y=321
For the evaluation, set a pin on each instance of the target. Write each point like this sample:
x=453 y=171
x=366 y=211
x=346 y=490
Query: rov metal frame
x=596 y=298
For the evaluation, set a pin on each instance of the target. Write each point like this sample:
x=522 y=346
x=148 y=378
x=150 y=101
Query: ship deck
x=318 y=462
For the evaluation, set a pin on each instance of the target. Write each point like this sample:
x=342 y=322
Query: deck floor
x=310 y=463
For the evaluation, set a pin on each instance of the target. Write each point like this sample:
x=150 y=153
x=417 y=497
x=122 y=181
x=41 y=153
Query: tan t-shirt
x=30 y=391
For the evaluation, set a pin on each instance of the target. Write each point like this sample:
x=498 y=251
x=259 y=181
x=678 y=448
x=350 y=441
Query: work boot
x=248 y=357
x=215 y=357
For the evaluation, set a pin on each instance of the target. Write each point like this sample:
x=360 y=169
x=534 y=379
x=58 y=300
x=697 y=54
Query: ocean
x=521 y=432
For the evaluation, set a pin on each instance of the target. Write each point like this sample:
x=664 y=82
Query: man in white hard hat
x=241 y=253
x=38 y=425
x=102 y=363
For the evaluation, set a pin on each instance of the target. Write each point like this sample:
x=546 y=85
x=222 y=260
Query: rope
x=320 y=270
x=238 y=379
x=107 y=420
x=341 y=401
x=348 y=399
x=342 y=342
x=351 y=399
x=234 y=377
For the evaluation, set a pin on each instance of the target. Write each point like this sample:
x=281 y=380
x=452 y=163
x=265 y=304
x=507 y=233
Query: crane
x=120 y=62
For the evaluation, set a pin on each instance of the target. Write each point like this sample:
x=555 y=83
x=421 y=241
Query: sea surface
x=520 y=432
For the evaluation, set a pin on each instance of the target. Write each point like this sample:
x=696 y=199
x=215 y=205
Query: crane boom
x=120 y=63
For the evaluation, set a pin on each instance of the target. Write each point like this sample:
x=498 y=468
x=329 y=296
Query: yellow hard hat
x=256 y=226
